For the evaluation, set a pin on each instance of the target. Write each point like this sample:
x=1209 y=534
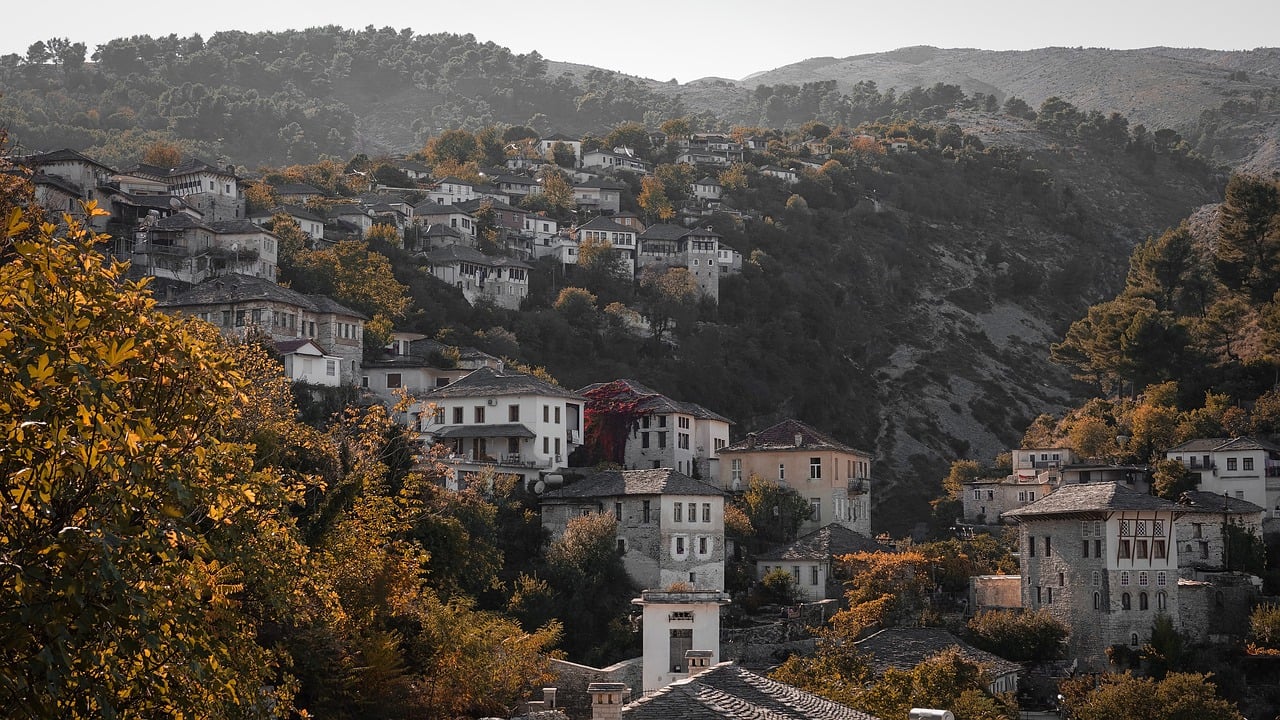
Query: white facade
x=308 y=363
x=1243 y=468
x=672 y=624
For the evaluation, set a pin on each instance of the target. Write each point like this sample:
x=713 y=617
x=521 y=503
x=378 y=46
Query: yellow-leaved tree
x=134 y=518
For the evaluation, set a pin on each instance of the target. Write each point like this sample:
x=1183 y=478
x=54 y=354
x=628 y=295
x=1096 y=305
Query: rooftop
x=652 y=401
x=1091 y=498
x=783 y=436
x=904 y=648
x=821 y=544
x=654 y=481
x=488 y=382
x=730 y=692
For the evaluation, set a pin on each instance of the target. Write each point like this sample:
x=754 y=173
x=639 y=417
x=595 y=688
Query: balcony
x=859 y=485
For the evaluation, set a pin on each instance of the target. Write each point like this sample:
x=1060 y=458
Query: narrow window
x=679 y=512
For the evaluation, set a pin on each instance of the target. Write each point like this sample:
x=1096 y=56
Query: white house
x=213 y=191
x=613 y=160
x=669 y=433
x=449 y=215
x=783 y=174
x=309 y=222
x=546 y=144
x=708 y=190
x=621 y=237
x=305 y=361
x=599 y=195
x=811 y=560
x=449 y=190
x=513 y=422
x=502 y=280
x=1244 y=468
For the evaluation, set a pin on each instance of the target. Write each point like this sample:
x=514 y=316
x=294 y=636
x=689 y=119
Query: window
x=662 y=440
x=782 y=472
x=1142 y=601
x=1084 y=528
x=662 y=421
x=393 y=380
x=513 y=413
x=513 y=447
x=1140 y=549
x=1039 y=595
x=1062 y=579
x=795 y=573
x=644 y=440
x=1197 y=530
x=977 y=494
x=1248 y=463
x=682 y=441
x=1157 y=549
x=546 y=413
x=1126 y=602
x=557 y=447
x=331 y=367
x=681 y=642
x=682 y=422
x=706 y=512
x=702 y=545
x=815 y=468
x=679 y=544
x=1123 y=550
x=1050 y=596
x=1162 y=601
x=617 y=511
x=813 y=575
x=678 y=514
x=1162 y=579
x=644 y=422
x=1032 y=545
x=1143 y=578
x=438 y=417
x=1047 y=545
x=1097 y=601
x=480 y=416
x=1231 y=463
x=1097 y=579
x=815 y=509
x=735 y=471
x=557 y=415
x=457 y=416
x=644 y=510
x=1084 y=549
x=1124 y=578
x=546 y=446
x=622 y=545
x=1133 y=637
x=1097 y=548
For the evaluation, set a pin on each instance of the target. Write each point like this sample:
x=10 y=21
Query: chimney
x=549 y=697
x=751 y=440
x=606 y=700
x=697 y=660
x=799 y=440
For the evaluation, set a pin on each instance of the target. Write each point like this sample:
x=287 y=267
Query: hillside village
x=1096 y=548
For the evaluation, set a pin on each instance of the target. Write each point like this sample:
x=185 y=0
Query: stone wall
x=572 y=679
x=1216 y=608
x=995 y=592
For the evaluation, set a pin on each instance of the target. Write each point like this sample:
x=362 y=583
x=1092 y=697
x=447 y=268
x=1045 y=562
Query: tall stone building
x=1102 y=559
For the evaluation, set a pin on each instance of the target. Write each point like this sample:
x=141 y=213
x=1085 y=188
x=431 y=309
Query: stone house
x=834 y=477
x=811 y=560
x=621 y=237
x=236 y=303
x=212 y=190
x=503 y=281
x=599 y=195
x=189 y=249
x=670 y=526
x=511 y=421
x=432 y=212
x=1103 y=560
x=65 y=178
x=1035 y=473
x=1200 y=530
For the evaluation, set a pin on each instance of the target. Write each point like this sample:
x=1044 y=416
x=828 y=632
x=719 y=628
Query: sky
x=663 y=39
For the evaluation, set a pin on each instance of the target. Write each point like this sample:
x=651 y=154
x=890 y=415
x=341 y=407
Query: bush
x=779 y=586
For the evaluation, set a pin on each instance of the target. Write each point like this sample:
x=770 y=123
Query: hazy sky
x=662 y=39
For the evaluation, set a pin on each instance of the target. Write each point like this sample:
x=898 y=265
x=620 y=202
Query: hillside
x=1159 y=87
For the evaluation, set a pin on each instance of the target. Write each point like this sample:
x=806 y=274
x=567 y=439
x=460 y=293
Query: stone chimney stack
x=799 y=440
x=549 y=697
x=751 y=440
x=606 y=700
x=695 y=661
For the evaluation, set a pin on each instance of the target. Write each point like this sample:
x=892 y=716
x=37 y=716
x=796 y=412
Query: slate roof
x=561 y=137
x=472 y=206
x=59 y=182
x=730 y=692
x=823 y=543
x=1090 y=498
x=602 y=184
x=186 y=167
x=238 y=288
x=326 y=304
x=603 y=223
x=1224 y=445
x=664 y=231
x=63 y=155
x=297 y=211
x=487 y=382
x=708 y=180
x=903 y=648
x=285 y=347
x=655 y=402
x=1198 y=501
x=782 y=437
x=458 y=253
x=431 y=207
x=653 y=481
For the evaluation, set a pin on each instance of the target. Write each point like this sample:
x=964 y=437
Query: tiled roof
x=602 y=184
x=297 y=189
x=500 y=430
x=730 y=692
x=431 y=207
x=708 y=180
x=1223 y=445
x=903 y=648
x=655 y=402
x=63 y=155
x=455 y=181
x=1198 y=501
x=782 y=436
x=561 y=137
x=1090 y=497
x=821 y=544
x=654 y=481
x=451 y=254
x=487 y=382
x=472 y=206
x=285 y=347
x=239 y=288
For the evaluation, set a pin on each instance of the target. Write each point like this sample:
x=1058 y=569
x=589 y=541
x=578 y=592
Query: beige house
x=811 y=560
x=834 y=477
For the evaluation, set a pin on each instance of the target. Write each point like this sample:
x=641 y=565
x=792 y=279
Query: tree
x=631 y=135
x=946 y=680
x=1264 y=630
x=350 y=272
x=1171 y=478
x=579 y=308
x=563 y=155
x=779 y=587
x=557 y=191
x=451 y=146
x=669 y=294
x=133 y=517
x=654 y=201
x=775 y=511
x=1178 y=695
x=1248 y=248
x=593 y=590
x=1019 y=636
x=163 y=154
x=886 y=588
x=962 y=471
